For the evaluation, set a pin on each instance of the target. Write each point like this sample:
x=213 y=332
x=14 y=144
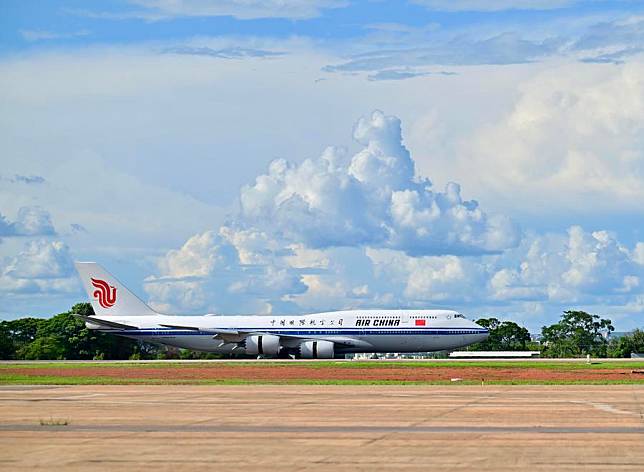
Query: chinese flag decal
x=420 y=322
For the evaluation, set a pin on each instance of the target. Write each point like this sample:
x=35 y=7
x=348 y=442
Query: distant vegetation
x=575 y=335
x=65 y=337
x=504 y=336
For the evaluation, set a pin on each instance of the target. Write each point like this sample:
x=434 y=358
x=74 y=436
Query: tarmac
x=314 y=428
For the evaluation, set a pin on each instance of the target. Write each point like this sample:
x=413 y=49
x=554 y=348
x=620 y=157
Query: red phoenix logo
x=106 y=294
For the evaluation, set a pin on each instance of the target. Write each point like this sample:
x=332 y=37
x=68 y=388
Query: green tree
x=46 y=347
x=16 y=334
x=7 y=347
x=504 y=336
x=577 y=333
x=65 y=336
x=625 y=345
x=79 y=342
x=23 y=330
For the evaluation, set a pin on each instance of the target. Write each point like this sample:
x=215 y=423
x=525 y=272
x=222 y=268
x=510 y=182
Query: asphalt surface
x=314 y=428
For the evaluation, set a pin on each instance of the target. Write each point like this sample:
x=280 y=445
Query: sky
x=294 y=156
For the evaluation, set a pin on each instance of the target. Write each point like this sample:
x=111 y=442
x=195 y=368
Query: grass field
x=325 y=373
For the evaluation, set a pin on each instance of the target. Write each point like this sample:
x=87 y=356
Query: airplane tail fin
x=107 y=295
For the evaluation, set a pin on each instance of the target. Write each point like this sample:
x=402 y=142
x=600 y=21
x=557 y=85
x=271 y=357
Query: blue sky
x=294 y=156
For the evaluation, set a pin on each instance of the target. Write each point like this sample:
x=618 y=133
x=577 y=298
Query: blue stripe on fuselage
x=309 y=332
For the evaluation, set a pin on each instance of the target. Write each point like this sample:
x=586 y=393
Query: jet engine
x=316 y=350
x=263 y=344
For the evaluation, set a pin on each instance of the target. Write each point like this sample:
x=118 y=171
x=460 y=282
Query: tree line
x=576 y=334
x=65 y=337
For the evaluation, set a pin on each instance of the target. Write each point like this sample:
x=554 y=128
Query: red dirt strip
x=295 y=372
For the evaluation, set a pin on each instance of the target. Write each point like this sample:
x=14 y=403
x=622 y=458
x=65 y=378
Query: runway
x=314 y=428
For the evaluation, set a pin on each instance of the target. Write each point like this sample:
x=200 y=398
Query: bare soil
x=298 y=372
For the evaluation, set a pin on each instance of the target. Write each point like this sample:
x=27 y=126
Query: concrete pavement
x=314 y=428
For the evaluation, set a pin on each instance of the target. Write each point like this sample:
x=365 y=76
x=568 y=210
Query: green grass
x=54 y=422
x=547 y=365
x=97 y=380
x=9 y=376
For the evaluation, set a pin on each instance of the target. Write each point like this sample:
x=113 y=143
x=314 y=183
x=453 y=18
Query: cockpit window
x=458 y=315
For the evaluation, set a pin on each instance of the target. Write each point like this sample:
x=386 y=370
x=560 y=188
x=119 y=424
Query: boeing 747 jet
x=318 y=335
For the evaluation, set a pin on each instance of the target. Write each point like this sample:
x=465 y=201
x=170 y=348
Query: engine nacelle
x=263 y=344
x=317 y=350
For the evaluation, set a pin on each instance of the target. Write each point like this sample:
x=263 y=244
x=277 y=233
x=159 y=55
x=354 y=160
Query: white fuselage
x=353 y=331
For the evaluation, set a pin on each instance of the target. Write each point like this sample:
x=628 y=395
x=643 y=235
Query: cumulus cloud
x=301 y=223
x=217 y=272
x=41 y=259
x=271 y=259
x=575 y=133
x=41 y=267
x=30 y=221
x=577 y=267
x=371 y=198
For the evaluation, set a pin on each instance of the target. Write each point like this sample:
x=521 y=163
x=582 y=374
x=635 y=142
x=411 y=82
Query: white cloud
x=580 y=267
x=242 y=9
x=159 y=10
x=577 y=269
x=494 y=5
x=207 y=273
x=363 y=229
x=638 y=253
x=41 y=35
x=308 y=234
x=573 y=139
x=64 y=128
x=199 y=256
x=42 y=267
x=446 y=50
x=30 y=221
x=41 y=259
x=395 y=52
x=371 y=198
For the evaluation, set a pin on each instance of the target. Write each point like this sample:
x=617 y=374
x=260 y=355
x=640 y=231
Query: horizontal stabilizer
x=100 y=322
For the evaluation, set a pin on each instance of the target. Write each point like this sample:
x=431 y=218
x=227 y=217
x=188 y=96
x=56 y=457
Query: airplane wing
x=230 y=336
x=226 y=335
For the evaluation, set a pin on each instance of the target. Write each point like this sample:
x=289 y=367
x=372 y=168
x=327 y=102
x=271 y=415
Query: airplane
x=325 y=335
